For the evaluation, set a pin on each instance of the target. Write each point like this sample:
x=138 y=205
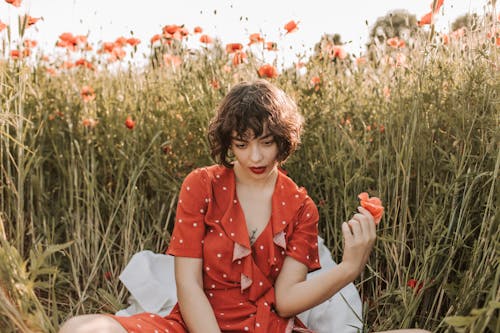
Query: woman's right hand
x=359 y=237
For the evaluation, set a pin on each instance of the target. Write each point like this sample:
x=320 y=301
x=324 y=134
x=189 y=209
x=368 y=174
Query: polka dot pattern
x=238 y=277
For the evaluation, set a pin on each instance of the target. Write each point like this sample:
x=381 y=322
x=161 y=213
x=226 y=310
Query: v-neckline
x=269 y=222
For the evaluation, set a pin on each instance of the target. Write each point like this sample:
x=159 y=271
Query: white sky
x=231 y=21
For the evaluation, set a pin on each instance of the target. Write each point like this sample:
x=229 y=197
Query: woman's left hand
x=359 y=237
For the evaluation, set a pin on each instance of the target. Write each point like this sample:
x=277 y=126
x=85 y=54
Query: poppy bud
x=129 y=123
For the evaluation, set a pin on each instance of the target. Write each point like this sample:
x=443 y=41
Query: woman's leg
x=93 y=323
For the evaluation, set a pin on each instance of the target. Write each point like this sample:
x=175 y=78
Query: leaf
x=460 y=321
x=494 y=305
x=478 y=312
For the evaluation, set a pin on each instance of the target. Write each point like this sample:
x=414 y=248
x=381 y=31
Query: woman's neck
x=243 y=178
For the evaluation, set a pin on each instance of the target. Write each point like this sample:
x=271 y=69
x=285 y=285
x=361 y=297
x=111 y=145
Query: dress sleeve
x=189 y=228
x=302 y=244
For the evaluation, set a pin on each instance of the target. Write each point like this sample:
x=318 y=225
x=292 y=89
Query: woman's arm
x=195 y=308
x=295 y=294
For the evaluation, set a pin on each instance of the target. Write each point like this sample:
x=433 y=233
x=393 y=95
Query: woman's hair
x=255 y=106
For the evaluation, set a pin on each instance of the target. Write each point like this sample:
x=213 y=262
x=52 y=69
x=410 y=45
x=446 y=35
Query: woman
x=245 y=234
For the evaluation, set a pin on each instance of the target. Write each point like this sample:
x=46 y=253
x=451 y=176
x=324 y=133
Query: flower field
x=93 y=152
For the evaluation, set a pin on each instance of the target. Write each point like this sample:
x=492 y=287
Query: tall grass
x=78 y=201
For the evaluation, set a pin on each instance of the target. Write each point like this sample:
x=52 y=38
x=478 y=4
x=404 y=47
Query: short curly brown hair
x=255 y=106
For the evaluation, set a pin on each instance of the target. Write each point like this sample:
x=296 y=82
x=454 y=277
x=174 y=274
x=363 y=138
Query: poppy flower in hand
x=373 y=205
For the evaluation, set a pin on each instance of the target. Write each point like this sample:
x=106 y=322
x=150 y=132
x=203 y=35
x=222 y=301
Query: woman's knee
x=91 y=324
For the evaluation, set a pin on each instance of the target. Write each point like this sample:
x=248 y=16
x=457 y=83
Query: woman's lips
x=258 y=170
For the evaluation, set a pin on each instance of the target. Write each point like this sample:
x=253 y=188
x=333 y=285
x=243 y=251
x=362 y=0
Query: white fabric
x=342 y=313
x=150 y=279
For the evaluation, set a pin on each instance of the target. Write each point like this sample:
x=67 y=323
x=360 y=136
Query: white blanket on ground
x=150 y=279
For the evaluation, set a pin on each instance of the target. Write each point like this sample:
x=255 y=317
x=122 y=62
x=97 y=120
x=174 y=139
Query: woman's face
x=256 y=156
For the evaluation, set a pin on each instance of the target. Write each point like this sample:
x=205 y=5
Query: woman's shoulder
x=288 y=185
x=208 y=173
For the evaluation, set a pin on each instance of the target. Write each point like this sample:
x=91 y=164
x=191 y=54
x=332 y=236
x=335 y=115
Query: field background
x=83 y=188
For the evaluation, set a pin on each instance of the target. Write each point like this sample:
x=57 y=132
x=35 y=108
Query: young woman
x=245 y=234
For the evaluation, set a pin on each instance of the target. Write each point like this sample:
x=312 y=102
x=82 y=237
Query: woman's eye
x=268 y=143
x=240 y=145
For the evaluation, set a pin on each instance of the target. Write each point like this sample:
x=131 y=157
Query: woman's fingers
x=355 y=225
x=346 y=231
x=369 y=225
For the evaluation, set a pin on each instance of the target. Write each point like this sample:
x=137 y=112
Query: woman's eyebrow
x=265 y=136
x=240 y=138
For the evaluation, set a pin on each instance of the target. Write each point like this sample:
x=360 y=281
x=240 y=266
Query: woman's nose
x=256 y=154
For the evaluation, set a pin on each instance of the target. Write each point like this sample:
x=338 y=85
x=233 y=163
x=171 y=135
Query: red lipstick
x=258 y=170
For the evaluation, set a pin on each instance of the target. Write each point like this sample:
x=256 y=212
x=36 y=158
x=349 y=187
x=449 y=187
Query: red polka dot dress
x=238 y=278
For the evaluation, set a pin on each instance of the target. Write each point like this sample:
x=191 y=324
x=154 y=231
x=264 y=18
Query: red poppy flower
x=118 y=53
x=396 y=43
x=239 y=58
x=89 y=122
x=315 y=82
x=338 y=51
x=171 y=29
x=373 y=205
x=174 y=31
x=291 y=26
x=129 y=122
x=15 y=54
x=87 y=93
x=29 y=43
x=198 y=30
x=271 y=46
x=415 y=285
x=206 y=39
x=133 y=41
x=233 y=47
x=70 y=42
x=255 y=38
x=428 y=18
x=108 y=47
x=155 y=38
x=215 y=84
x=268 y=71
x=436 y=5
x=31 y=20
x=84 y=63
x=2 y=26
x=67 y=37
x=121 y=41
x=15 y=3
